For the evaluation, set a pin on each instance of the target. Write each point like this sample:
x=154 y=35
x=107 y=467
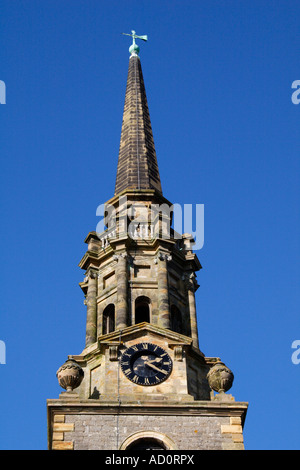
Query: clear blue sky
x=218 y=78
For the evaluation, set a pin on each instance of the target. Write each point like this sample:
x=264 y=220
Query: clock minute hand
x=149 y=364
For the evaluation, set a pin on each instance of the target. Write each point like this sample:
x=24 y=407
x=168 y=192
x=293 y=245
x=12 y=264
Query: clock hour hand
x=149 y=364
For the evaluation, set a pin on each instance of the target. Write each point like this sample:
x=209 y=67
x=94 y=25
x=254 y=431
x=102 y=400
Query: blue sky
x=218 y=77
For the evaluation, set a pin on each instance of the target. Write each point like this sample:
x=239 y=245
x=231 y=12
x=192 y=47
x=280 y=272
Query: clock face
x=146 y=364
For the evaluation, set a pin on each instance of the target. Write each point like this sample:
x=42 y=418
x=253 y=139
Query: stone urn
x=220 y=378
x=70 y=375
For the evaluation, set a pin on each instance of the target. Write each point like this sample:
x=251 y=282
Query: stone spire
x=137 y=164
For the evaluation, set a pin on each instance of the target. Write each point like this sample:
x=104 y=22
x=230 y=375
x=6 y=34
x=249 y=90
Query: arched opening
x=142 y=310
x=176 y=319
x=148 y=440
x=109 y=319
x=146 y=444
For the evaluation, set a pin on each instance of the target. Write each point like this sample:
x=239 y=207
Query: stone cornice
x=170 y=335
x=177 y=408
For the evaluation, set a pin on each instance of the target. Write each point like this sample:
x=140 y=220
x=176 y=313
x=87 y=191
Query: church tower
x=142 y=381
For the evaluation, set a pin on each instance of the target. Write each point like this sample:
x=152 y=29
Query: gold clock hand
x=149 y=364
x=157 y=361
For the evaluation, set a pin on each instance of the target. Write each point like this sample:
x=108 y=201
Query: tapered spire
x=137 y=164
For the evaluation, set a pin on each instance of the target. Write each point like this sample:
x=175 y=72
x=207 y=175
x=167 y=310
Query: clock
x=146 y=364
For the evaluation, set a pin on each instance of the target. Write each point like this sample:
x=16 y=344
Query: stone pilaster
x=164 y=319
x=99 y=319
x=122 y=291
x=91 y=302
x=190 y=283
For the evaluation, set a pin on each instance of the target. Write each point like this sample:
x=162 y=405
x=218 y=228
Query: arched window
x=142 y=309
x=176 y=319
x=109 y=319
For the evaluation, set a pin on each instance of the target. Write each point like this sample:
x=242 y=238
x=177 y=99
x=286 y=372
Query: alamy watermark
x=2 y=352
x=2 y=92
x=148 y=221
x=296 y=94
x=296 y=354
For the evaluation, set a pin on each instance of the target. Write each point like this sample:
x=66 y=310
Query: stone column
x=164 y=319
x=191 y=288
x=91 y=316
x=122 y=287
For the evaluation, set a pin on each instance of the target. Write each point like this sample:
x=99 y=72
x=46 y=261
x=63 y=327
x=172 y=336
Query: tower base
x=78 y=424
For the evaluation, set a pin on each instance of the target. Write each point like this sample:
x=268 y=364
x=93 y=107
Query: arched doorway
x=142 y=309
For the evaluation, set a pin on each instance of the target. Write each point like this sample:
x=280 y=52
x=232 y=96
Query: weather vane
x=134 y=48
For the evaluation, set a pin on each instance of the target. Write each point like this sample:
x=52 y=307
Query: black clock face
x=146 y=364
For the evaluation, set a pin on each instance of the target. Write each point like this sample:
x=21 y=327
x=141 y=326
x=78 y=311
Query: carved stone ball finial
x=220 y=378
x=70 y=375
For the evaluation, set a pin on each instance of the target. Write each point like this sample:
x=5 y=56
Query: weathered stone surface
x=59 y=418
x=122 y=290
x=220 y=377
x=137 y=164
x=70 y=375
x=62 y=445
x=63 y=427
x=91 y=302
x=164 y=319
x=103 y=375
x=110 y=426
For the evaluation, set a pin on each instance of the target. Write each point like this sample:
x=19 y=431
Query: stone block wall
x=111 y=431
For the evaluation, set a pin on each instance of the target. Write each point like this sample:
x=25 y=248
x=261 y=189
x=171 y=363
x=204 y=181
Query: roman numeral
x=135 y=379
